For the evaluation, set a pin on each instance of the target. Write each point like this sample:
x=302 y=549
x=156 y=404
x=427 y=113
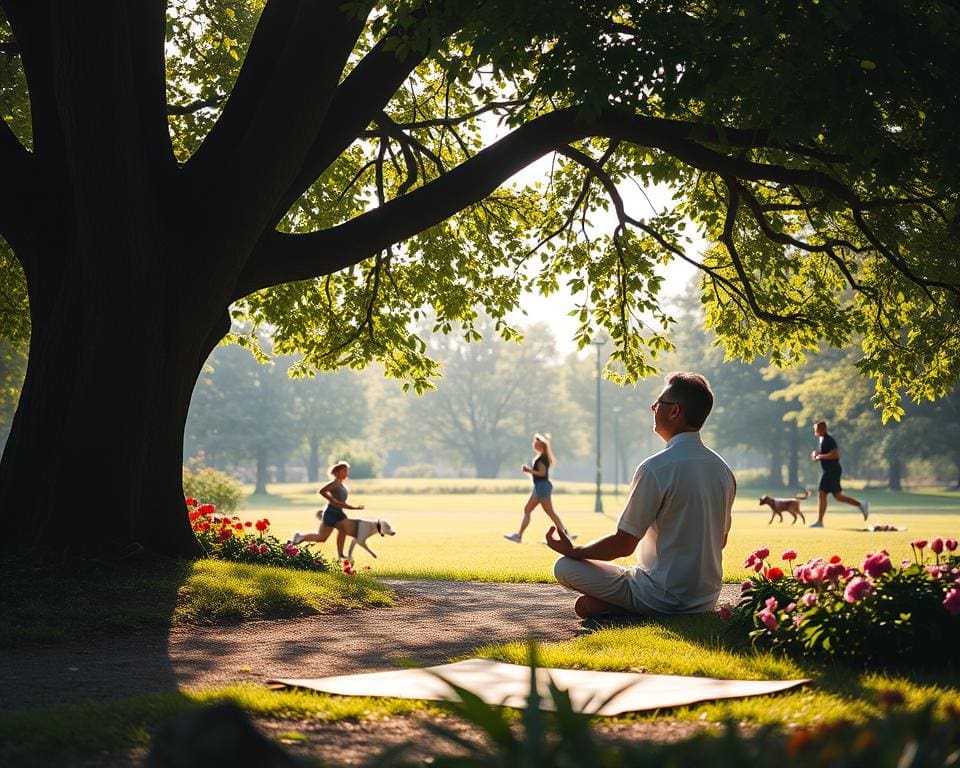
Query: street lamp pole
x=598 y=504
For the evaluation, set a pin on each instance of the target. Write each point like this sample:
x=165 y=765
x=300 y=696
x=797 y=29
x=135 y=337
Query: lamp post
x=616 y=450
x=598 y=504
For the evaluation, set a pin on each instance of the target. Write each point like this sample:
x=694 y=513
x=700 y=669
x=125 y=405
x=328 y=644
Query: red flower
x=774 y=574
x=191 y=502
x=262 y=525
x=206 y=509
x=835 y=559
x=248 y=524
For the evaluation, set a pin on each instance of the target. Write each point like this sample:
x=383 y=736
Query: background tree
x=269 y=163
x=327 y=409
x=492 y=398
x=242 y=410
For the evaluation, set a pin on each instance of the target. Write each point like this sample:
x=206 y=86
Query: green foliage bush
x=211 y=486
x=880 y=612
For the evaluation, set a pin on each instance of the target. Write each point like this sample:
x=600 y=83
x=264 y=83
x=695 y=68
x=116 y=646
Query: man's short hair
x=693 y=392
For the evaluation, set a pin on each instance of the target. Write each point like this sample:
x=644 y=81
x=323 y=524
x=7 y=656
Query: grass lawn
x=453 y=529
x=58 y=607
x=459 y=535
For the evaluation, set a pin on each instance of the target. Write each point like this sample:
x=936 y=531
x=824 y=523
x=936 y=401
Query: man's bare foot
x=588 y=606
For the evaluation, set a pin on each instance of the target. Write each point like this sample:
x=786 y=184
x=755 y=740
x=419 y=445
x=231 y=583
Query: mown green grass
x=447 y=535
x=694 y=645
x=51 y=607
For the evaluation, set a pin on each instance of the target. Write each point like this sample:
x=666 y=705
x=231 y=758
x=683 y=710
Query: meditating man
x=677 y=513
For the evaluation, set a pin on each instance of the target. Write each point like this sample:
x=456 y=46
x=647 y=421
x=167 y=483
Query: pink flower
x=767 y=619
x=789 y=555
x=771 y=603
x=857 y=589
x=725 y=612
x=876 y=565
x=936 y=546
x=952 y=602
x=809 y=599
x=746 y=586
x=935 y=571
x=290 y=549
x=950 y=544
x=920 y=544
x=834 y=571
x=790 y=608
x=813 y=572
x=263 y=549
x=763 y=553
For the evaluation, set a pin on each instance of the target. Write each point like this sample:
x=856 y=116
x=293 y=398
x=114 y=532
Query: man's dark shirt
x=827 y=444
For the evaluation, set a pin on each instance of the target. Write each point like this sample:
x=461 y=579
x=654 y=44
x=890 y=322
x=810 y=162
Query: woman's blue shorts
x=542 y=489
x=332 y=516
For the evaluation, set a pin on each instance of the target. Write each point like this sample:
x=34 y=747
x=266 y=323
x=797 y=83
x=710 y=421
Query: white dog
x=361 y=530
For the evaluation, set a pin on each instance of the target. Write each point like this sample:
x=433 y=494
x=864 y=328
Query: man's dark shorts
x=830 y=482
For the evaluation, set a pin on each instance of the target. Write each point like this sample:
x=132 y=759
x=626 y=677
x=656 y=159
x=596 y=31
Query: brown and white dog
x=779 y=506
x=361 y=530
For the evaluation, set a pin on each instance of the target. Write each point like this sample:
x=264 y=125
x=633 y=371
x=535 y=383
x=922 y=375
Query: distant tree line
x=254 y=418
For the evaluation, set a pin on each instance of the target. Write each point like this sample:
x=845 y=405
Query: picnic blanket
x=596 y=693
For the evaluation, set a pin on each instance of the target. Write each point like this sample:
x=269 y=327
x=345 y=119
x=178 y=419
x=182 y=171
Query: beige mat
x=599 y=693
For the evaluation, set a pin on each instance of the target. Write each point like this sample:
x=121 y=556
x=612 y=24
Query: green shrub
x=211 y=486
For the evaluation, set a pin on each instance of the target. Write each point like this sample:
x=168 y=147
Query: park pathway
x=432 y=622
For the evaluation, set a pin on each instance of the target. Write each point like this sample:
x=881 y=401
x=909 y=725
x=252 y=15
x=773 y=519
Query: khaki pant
x=605 y=581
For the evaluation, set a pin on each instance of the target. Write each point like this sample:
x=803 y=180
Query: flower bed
x=878 y=611
x=229 y=538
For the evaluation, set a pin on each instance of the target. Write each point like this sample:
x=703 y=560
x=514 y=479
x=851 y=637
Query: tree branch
x=362 y=95
x=259 y=144
x=147 y=26
x=281 y=258
x=19 y=168
x=195 y=106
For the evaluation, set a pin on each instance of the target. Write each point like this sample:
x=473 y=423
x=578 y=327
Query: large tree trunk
x=776 y=468
x=93 y=465
x=895 y=474
x=486 y=466
x=793 y=456
x=261 y=483
x=313 y=463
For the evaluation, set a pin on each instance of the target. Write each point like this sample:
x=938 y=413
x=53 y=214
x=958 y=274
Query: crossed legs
x=603 y=587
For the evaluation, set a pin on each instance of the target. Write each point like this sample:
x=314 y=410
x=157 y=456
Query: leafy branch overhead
x=360 y=157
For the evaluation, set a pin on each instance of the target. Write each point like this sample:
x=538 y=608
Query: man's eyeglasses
x=659 y=401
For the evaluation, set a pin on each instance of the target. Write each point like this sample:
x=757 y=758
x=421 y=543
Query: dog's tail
x=801 y=495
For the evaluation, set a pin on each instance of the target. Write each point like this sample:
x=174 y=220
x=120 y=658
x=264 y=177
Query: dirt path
x=432 y=622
